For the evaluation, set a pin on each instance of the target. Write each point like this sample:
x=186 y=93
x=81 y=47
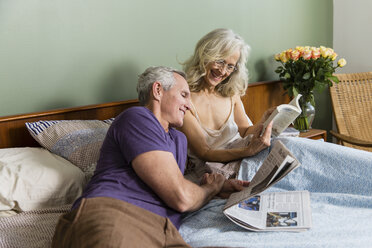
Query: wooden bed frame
x=13 y=133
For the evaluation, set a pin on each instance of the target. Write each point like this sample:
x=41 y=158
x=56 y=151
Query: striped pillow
x=78 y=141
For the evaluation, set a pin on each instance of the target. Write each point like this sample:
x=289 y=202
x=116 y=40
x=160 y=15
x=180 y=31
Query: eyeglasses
x=221 y=64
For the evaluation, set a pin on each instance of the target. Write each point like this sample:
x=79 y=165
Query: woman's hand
x=267 y=114
x=231 y=186
x=258 y=141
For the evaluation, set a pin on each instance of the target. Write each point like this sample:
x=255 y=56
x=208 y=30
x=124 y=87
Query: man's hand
x=231 y=186
x=227 y=186
x=213 y=179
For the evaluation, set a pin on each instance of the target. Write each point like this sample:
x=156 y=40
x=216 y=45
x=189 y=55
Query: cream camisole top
x=216 y=139
x=228 y=132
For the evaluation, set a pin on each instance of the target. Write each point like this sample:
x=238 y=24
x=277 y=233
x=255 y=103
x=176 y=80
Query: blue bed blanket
x=340 y=182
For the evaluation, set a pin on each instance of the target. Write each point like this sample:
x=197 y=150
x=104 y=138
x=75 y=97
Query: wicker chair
x=352 y=107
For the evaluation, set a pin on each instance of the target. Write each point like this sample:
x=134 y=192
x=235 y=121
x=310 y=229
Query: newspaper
x=274 y=211
x=277 y=165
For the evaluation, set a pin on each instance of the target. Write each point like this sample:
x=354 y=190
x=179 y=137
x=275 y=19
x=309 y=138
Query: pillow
x=34 y=178
x=78 y=141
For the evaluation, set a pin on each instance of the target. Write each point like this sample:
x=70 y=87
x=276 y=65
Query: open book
x=274 y=211
x=283 y=116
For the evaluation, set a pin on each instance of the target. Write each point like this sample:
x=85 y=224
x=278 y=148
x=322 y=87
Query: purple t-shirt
x=135 y=131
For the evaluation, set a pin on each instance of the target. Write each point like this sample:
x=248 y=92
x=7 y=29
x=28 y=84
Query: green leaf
x=312 y=100
x=320 y=86
x=334 y=79
x=306 y=76
x=294 y=91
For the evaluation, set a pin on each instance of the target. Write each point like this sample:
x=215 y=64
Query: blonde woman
x=218 y=77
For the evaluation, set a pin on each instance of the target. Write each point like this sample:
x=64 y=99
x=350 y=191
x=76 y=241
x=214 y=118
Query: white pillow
x=34 y=178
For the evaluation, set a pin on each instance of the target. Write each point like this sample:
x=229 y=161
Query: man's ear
x=157 y=90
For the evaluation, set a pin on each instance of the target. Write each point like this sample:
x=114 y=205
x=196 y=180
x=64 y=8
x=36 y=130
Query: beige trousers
x=108 y=222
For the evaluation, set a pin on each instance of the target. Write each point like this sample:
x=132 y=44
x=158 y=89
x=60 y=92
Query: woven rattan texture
x=352 y=106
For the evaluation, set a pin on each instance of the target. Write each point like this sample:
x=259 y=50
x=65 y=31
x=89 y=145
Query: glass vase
x=304 y=121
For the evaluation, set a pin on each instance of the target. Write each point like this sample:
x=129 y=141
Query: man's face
x=175 y=102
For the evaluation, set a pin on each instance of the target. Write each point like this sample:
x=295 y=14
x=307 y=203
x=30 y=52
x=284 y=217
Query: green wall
x=65 y=53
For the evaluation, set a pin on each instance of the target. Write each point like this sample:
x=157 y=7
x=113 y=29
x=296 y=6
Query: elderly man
x=138 y=192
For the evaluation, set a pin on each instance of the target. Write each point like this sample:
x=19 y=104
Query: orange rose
x=307 y=54
x=315 y=53
x=295 y=55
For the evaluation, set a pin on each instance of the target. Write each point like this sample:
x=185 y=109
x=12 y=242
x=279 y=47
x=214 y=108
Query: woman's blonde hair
x=216 y=45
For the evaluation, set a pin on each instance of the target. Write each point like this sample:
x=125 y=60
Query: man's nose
x=188 y=104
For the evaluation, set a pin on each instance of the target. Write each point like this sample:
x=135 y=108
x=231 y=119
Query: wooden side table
x=315 y=134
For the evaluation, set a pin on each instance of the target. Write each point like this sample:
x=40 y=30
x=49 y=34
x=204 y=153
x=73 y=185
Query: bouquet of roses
x=307 y=68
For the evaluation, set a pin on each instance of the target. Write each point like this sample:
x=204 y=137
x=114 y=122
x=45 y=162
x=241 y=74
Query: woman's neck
x=208 y=89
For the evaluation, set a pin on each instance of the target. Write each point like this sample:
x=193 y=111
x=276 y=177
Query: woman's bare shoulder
x=236 y=99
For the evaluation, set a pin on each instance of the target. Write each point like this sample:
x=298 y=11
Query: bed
x=45 y=165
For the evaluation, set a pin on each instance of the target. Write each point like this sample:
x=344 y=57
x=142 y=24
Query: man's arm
x=159 y=170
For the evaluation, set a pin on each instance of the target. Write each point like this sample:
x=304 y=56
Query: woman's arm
x=241 y=118
x=245 y=126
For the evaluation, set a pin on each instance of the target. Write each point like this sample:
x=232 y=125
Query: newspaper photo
x=274 y=211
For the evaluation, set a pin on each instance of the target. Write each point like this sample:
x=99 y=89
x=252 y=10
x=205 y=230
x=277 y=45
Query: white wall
x=352 y=34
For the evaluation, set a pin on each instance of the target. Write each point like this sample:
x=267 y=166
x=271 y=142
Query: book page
x=282 y=120
x=295 y=100
x=283 y=116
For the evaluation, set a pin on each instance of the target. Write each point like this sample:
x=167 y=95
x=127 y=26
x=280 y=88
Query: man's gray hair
x=153 y=74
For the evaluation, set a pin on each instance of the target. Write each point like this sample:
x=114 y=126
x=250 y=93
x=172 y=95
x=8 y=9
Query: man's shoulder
x=134 y=111
x=134 y=114
x=135 y=119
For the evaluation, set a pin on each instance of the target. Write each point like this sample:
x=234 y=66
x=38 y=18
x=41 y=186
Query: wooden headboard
x=13 y=133
x=262 y=95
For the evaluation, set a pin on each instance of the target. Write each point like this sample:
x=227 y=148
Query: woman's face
x=219 y=70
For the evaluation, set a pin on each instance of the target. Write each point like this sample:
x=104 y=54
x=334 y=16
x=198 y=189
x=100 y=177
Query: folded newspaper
x=273 y=211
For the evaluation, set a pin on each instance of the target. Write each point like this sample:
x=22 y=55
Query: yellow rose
x=334 y=56
x=288 y=52
x=341 y=62
x=316 y=53
x=277 y=57
x=326 y=52
x=283 y=57
x=300 y=48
